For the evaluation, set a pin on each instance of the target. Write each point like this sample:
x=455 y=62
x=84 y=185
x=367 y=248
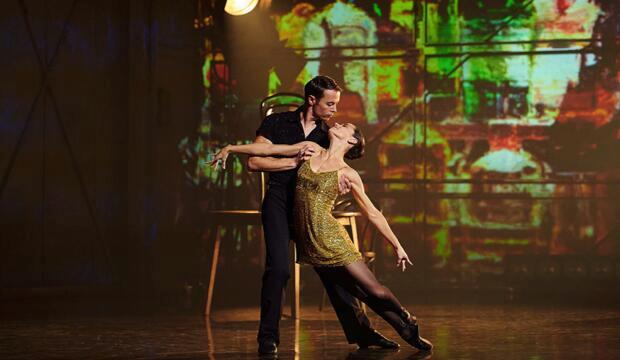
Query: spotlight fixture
x=240 y=7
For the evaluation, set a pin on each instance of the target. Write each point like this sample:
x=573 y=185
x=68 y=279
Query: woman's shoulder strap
x=344 y=167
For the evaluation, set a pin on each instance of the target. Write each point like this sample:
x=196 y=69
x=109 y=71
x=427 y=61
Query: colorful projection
x=492 y=126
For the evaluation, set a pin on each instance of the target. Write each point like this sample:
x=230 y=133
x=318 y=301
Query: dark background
x=94 y=99
x=95 y=96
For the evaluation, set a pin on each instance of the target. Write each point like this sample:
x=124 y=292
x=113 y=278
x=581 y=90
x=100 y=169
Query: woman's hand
x=311 y=145
x=308 y=150
x=222 y=155
x=303 y=155
x=403 y=258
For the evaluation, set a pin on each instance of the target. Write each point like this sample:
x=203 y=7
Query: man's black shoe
x=267 y=347
x=376 y=339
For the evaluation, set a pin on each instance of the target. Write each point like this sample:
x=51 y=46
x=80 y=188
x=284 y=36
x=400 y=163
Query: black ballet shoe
x=416 y=340
x=411 y=333
x=376 y=339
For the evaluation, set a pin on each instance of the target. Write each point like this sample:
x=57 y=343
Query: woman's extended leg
x=382 y=301
x=372 y=292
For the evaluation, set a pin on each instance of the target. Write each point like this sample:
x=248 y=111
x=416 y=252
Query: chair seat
x=228 y=216
x=338 y=214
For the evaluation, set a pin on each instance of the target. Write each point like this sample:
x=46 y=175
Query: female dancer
x=323 y=242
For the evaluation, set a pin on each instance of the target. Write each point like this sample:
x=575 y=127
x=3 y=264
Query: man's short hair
x=318 y=85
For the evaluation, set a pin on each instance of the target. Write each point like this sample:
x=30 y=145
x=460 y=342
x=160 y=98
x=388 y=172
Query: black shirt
x=285 y=128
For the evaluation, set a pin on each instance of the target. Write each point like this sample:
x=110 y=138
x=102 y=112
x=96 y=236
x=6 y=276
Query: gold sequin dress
x=321 y=239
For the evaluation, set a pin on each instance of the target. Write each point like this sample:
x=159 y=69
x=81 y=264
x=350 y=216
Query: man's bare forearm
x=265 y=149
x=257 y=163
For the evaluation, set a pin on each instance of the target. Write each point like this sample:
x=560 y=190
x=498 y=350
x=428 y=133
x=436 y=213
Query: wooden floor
x=457 y=331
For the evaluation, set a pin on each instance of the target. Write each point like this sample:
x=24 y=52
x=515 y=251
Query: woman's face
x=345 y=131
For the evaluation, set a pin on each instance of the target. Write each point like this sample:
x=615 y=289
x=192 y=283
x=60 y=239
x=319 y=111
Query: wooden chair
x=280 y=102
x=223 y=218
x=272 y=104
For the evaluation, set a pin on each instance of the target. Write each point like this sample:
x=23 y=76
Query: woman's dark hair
x=318 y=84
x=357 y=151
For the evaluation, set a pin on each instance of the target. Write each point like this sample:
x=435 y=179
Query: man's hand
x=344 y=185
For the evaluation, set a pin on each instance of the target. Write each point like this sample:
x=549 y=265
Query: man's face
x=325 y=108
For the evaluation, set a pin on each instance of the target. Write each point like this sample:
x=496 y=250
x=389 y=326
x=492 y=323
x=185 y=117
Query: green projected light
x=490 y=124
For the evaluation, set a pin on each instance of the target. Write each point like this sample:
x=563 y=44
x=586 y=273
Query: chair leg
x=296 y=301
x=354 y=232
x=214 y=261
x=295 y=289
x=323 y=298
x=262 y=249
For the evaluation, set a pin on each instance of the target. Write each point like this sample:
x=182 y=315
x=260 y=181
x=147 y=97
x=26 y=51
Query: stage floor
x=457 y=331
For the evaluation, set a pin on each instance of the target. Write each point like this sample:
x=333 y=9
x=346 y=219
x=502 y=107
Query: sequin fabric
x=321 y=239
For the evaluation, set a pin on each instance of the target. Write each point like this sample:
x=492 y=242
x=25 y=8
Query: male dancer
x=308 y=122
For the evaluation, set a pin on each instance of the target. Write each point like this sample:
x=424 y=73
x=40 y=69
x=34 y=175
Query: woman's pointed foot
x=411 y=332
x=419 y=342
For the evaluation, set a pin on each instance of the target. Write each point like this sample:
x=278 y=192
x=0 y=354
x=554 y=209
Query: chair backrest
x=278 y=102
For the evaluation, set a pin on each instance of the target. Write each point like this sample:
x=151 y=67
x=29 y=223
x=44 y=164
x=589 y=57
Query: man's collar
x=295 y=116
x=320 y=123
x=323 y=126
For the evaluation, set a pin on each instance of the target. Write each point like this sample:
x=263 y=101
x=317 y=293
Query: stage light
x=240 y=7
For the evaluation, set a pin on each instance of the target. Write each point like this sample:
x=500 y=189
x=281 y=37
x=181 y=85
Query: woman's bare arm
x=374 y=215
x=260 y=149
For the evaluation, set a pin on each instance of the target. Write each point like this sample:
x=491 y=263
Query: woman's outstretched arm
x=261 y=149
x=375 y=216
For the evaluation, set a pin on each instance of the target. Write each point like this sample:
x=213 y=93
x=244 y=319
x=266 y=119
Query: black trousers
x=276 y=217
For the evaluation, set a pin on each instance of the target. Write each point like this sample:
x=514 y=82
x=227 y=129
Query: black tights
x=358 y=280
